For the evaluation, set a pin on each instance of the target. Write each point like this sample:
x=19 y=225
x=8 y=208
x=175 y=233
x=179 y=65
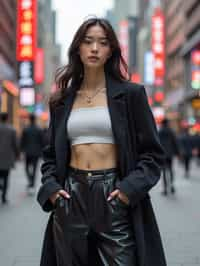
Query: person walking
x=187 y=145
x=8 y=152
x=169 y=142
x=102 y=159
x=31 y=145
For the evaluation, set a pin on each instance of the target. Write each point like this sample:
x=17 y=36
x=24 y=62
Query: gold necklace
x=89 y=98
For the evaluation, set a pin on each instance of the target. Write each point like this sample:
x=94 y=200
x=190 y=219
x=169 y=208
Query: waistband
x=99 y=173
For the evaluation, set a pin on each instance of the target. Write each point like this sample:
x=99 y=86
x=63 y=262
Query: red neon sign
x=159 y=96
x=39 y=66
x=195 y=55
x=158 y=40
x=135 y=77
x=26 y=29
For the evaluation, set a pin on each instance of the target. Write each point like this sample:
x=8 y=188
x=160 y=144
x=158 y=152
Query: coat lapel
x=116 y=96
x=118 y=114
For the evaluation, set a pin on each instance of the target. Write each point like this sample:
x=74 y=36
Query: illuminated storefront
x=10 y=101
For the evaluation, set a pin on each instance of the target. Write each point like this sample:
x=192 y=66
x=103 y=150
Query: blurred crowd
x=184 y=146
x=27 y=148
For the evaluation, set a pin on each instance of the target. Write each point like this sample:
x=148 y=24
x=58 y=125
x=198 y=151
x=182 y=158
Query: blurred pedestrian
x=45 y=135
x=102 y=159
x=31 y=145
x=170 y=144
x=186 y=143
x=196 y=147
x=8 y=152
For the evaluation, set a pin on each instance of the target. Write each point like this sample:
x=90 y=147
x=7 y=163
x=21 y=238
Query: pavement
x=22 y=222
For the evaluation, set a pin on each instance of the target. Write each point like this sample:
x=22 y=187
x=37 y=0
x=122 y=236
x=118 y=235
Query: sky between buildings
x=71 y=13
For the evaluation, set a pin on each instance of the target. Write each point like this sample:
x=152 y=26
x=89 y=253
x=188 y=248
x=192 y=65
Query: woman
x=102 y=159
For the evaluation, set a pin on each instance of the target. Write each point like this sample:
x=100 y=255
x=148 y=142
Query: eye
x=86 y=41
x=105 y=43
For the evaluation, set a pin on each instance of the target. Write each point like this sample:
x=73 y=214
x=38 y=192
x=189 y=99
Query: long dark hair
x=73 y=72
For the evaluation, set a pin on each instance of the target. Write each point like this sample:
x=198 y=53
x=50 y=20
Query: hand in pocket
x=120 y=195
x=60 y=193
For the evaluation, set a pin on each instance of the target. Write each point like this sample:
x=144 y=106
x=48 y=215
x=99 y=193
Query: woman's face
x=95 y=48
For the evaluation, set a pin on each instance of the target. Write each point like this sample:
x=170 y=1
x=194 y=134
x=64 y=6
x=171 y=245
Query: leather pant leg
x=87 y=217
x=70 y=226
x=116 y=244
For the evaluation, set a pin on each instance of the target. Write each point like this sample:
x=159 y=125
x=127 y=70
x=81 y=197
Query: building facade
x=190 y=53
x=47 y=41
x=175 y=38
x=8 y=78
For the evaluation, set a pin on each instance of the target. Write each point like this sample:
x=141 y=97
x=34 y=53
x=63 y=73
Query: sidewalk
x=179 y=219
x=22 y=222
x=22 y=225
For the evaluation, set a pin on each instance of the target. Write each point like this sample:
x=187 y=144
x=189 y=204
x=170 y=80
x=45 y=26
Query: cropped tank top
x=90 y=125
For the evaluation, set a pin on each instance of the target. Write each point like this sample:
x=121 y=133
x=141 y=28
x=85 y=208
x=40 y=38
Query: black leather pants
x=89 y=230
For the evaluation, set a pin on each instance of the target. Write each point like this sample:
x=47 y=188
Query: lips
x=93 y=58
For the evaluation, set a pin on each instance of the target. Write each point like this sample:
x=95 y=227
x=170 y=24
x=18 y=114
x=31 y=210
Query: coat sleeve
x=48 y=170
x=150 y=155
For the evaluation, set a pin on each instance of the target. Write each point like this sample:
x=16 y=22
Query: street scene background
x=160 y=42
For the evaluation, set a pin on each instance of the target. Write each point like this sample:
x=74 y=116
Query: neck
x=93 y=79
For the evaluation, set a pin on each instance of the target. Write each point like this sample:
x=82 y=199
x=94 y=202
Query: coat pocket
x=62 y=206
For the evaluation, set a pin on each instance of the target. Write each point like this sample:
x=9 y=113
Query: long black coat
x=140 y=161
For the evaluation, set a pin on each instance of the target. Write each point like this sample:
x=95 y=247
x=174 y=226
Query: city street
x=92 y=70
x=22 y=222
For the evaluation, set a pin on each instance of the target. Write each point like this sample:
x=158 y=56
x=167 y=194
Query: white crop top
x=90 y=125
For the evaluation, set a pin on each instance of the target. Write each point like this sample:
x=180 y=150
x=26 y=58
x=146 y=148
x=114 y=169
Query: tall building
x=110 y=16
x=144 y=39
x=8 y=79
x=124 y=18
x=47 y=41
x=8 y=31
x=175 y=38
x=149 y=50
x=190 y=53
x=182 y=58
x=120 y=11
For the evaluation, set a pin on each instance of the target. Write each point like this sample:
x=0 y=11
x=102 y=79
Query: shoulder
x=134 y=90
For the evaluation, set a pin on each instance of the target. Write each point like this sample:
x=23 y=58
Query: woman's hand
x=59 y=193
x=120 y=195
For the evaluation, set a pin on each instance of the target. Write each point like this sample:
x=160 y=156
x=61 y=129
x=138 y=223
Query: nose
x=95 y=47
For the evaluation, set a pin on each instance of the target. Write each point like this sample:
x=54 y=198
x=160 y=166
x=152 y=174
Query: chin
x=94 y=66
